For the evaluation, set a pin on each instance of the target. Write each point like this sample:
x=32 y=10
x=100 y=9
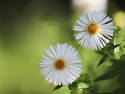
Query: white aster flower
x=96 y=28
x=90 y=5
x=61 y=64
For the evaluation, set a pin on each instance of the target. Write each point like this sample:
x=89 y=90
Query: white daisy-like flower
x=90 y=5
x=61 y=64
x=97 y=30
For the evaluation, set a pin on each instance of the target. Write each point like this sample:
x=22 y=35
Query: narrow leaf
x=102 y=60
x=107 y=75
x=117 y=91
x=57 y=87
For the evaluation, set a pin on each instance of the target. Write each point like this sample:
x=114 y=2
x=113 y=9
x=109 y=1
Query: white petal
x=105 y=39
x=89 y=16
x=49 y=61
x=44 y=64
x=62 y=78
x=80 y=35
x=78 y=28
x=100 y=17
x=98 y=42
x=80 y=23
x=58 y=49
x=50 y=76
x=70 y=74
x=73 y=72
x=77 y=61
x=107 y=19
x=49 y=53
x=47 y=69
x=53 y=50
x=84 y=19
x=68 y=77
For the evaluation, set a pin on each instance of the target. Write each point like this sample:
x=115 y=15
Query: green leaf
x=117 y=91
x=108 y=50
x=62 y=90
x=107 y=75
x=117 y=52
x=119 y=38
x=83 y=85
x=117 y=28
x=117 y=45
x=102 y=60
x=73 y=87
x=57 y=87
x=122 y=58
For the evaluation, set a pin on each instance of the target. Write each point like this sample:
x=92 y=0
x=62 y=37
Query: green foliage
x=102 y=60
x=57 y=87
x=82 y=86
x=107 y=75
x=62 y=90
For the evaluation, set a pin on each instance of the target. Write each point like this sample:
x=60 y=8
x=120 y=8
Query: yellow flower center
x=93 y=28
x=60 y=64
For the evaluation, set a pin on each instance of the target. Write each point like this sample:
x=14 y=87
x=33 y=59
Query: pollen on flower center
x=93 y=28
x=60 y=64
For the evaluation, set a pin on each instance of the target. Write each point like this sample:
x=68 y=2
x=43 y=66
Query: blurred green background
x=27 y=27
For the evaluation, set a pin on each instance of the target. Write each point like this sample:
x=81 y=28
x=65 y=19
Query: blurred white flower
x=97 y=30
x=61 y=65
x=90 y=5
